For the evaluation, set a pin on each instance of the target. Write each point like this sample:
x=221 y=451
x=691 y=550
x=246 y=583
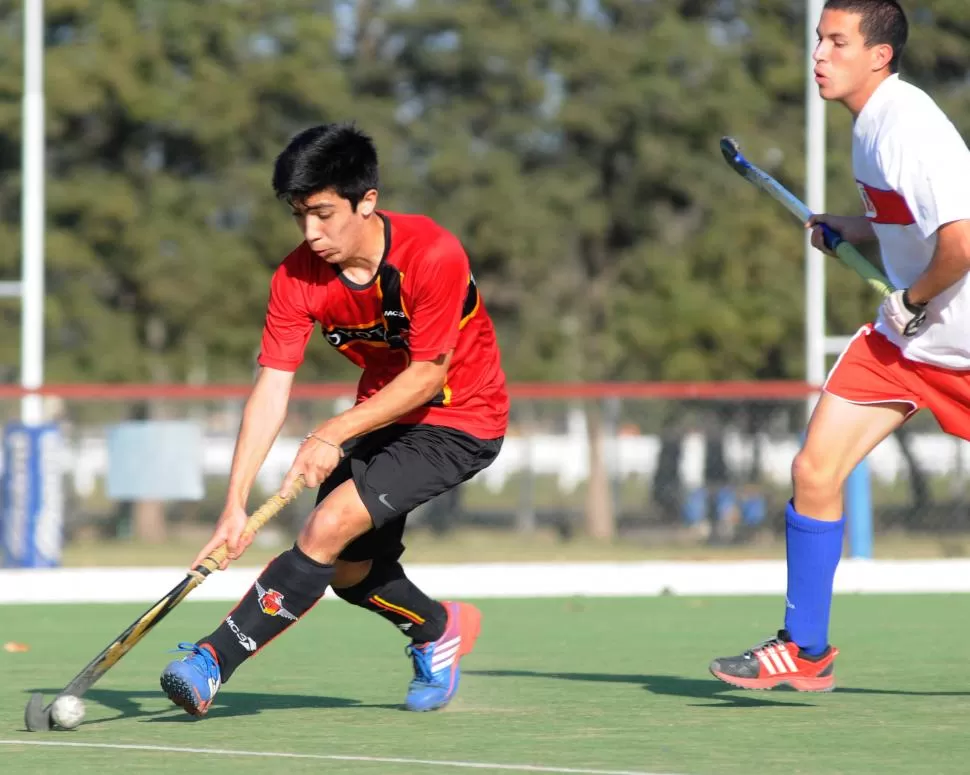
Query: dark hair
x=883 y=22
x=328 y=156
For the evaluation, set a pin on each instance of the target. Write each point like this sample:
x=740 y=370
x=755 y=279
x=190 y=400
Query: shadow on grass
x=704 y=689
x=132 y=705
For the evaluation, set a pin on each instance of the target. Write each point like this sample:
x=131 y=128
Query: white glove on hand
x=902 y=315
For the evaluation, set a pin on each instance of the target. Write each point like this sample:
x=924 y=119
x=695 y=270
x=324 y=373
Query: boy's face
x=844 y=64
x=332 y=229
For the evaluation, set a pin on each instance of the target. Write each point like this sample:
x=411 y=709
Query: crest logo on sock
x=271 y=602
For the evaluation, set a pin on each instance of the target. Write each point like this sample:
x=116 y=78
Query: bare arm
x=262 y=419
x=951 y=261
x=410 y=389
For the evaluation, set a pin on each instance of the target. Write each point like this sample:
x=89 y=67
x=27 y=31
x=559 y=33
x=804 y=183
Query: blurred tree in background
x=572 y=144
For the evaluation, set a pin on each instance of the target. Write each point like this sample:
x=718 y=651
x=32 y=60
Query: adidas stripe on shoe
x=778 y=662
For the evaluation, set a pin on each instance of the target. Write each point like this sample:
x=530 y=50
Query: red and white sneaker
x=776 y=662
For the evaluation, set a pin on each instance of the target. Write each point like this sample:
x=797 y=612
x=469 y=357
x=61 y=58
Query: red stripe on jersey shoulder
x=883 y=206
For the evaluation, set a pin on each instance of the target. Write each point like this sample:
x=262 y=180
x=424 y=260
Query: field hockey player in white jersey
x=913 y=172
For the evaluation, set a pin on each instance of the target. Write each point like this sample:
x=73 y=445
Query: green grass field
x=562 y=685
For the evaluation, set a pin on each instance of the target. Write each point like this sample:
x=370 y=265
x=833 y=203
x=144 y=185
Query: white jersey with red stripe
x=913 y=172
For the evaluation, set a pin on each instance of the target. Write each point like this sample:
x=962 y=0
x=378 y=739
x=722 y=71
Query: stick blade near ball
x=37 y=718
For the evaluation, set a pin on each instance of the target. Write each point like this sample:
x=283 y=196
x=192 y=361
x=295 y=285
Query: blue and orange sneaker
x=436 y=671
x=192 y=681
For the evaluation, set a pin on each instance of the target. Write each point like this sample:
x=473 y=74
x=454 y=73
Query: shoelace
x=421 y=660
x=210 y=664
x=775 y=641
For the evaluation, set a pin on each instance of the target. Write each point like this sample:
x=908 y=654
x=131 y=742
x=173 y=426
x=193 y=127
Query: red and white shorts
x=872 y=370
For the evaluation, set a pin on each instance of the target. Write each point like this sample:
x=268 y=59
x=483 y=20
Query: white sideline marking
x=331 y=757
x=505 y=580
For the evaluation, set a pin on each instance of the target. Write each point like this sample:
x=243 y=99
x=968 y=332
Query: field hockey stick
x=846 y=251
x=37 y=717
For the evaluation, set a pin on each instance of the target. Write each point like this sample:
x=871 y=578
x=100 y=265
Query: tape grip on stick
x=830 y=237
x=254 y=524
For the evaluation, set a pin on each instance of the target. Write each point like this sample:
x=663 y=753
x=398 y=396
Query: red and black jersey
x=421 y=303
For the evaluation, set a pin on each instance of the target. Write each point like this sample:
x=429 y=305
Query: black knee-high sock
x=286 y=589
x=388 y=592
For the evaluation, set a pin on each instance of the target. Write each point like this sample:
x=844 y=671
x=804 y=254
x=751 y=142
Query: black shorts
x=396 y=469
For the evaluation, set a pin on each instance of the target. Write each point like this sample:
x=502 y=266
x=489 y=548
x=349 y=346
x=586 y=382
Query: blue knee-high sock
x=814 y=550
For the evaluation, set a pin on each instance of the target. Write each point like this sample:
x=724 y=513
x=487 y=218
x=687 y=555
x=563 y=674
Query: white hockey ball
x=67 y=711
